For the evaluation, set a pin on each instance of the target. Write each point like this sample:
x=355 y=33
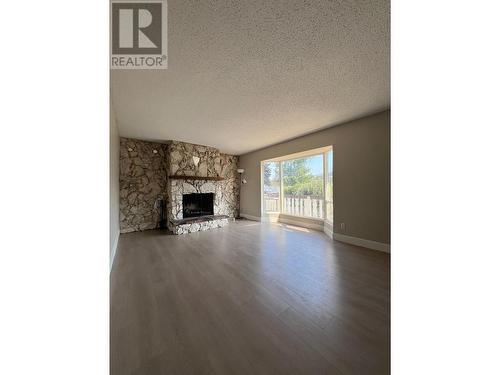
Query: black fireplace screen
x=197 y=205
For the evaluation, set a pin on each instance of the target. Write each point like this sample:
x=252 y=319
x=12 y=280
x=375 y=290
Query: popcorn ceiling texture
x=243 y=74
x=144 y=180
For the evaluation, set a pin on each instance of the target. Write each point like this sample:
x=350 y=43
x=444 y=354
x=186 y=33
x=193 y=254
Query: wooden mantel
x=183 y=177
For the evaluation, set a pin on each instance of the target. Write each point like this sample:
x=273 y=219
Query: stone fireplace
x=200 y=171
x=152 y=173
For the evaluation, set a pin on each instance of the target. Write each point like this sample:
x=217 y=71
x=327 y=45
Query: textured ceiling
x=246 y=74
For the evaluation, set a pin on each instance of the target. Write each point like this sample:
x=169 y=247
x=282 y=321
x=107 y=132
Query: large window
x=303 y=186
x=300 y=186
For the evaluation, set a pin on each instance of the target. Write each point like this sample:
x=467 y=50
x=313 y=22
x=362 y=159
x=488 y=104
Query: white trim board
x=379 y=246
x=302 y=154
x=113 y=251
x=300 y=223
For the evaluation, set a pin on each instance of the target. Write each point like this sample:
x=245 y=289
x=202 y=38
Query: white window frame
x=325 y=175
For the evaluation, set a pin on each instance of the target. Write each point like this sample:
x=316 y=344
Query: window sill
x=301 y=217
x=277 y=213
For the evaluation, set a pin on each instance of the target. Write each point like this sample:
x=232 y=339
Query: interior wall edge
x=114 y=250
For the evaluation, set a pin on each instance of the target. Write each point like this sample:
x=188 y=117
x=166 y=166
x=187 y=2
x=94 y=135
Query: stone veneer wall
x=213 y=164
x=143 y=181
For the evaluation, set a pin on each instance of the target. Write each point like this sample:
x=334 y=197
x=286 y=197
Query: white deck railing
x=271 y=204
x=296 y=205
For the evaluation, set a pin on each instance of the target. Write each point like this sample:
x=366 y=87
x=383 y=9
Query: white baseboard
x=113 y=251
x=250 y=217
x=301 y=223
x=386 y=248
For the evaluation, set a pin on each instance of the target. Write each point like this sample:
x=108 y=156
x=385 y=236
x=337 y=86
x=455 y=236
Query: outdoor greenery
x=270 y=173
x=298 y=179
x=271 y=178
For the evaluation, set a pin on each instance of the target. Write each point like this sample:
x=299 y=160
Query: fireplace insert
x=195 y=204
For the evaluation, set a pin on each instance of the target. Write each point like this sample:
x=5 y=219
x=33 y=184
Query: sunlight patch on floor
x=292 y=227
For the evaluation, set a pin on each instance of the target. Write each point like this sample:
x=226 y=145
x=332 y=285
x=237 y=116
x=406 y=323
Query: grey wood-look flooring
x=249 y=298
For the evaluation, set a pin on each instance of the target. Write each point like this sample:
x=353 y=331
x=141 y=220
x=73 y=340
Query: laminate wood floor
x=249 y=298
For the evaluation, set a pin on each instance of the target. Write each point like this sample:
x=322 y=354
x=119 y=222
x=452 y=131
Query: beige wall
x=114 y=189
x=361 y=174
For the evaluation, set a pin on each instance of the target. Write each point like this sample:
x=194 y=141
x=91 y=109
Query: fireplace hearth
x=197 y=204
